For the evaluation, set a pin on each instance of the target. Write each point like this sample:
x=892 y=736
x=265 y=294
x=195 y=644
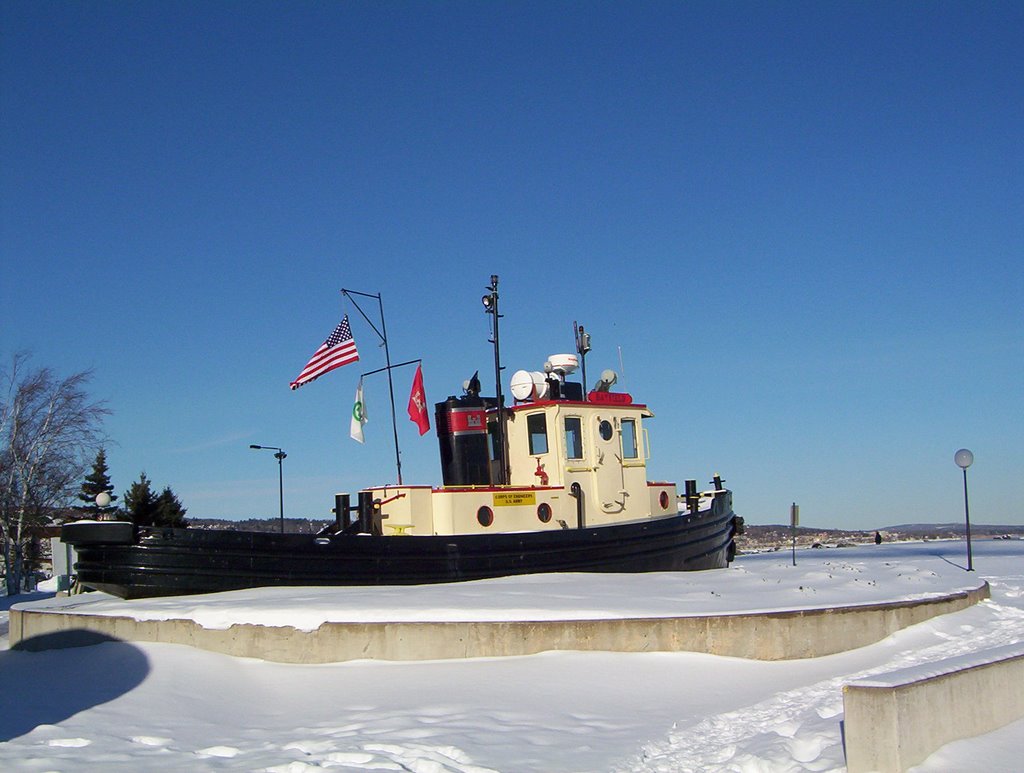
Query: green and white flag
x=358 y=414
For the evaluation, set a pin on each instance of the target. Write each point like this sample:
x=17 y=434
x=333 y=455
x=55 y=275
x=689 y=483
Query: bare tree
x=49 y=431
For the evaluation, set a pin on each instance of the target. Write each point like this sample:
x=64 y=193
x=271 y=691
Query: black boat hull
x=142 y=562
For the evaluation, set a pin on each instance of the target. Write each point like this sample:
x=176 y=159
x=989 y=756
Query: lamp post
x=965 y=459
x=280 y=456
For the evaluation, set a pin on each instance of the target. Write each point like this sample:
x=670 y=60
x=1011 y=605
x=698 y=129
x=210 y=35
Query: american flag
x=339 y=349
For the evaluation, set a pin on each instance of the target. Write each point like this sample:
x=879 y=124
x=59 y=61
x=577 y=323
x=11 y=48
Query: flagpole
x=396 y=366
x=387 y=358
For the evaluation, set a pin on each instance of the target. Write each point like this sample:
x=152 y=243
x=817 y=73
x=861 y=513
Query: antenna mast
x=490 y=302
x=582 y=347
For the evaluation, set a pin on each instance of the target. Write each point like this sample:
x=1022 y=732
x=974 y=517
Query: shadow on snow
x=44 y=683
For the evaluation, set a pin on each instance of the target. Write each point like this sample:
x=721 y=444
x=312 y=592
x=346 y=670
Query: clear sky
x=801 y=224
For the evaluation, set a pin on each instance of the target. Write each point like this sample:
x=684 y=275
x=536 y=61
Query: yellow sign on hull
x=509 y=498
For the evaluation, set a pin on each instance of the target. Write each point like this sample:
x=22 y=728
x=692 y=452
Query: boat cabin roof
x=596 y=401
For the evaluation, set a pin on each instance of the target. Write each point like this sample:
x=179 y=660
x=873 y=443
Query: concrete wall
x=766 y=636
x=895 y=723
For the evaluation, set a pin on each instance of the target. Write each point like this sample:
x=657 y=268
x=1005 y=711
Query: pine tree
x=96 y=482
x=169 y=511
x=140 y=502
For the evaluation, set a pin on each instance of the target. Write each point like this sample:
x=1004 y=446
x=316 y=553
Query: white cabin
x=572 y=463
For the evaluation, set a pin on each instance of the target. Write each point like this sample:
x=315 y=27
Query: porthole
x=485 y=516
x=544 y=512
x=663 y=500
x=605 y=429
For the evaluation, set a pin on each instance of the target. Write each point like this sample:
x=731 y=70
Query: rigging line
x=349 y=294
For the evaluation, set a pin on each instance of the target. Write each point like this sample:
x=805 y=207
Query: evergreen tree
x=169 y=511
x=140 y=502
x=95 y=483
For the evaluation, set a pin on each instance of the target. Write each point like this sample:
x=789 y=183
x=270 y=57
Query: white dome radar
x=563 y=364
x=529 y=385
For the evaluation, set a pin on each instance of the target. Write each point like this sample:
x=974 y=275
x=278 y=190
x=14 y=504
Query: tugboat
x=556 y=482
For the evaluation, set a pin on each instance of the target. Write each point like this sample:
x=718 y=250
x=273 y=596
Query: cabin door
x=611 y=496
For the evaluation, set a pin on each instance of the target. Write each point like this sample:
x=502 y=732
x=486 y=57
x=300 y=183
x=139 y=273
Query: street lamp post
x=965 y=459
x=280 y=456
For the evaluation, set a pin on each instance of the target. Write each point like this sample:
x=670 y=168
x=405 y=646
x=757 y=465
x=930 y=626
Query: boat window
x=537 y=428
x=604 y=427
x=629 y=447
x=573 y=437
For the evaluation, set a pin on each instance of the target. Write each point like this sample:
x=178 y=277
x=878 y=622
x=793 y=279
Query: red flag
x=418 y=403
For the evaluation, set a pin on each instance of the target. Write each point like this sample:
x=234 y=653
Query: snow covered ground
x=126 y=707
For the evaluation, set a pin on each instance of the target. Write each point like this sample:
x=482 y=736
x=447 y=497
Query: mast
x=387 y=358
x=582 y=347
x=490 y=302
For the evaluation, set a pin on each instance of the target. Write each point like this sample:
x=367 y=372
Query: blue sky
x=802 y=224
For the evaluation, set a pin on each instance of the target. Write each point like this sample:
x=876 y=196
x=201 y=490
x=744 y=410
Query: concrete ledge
x=896 y=720
x=760 y=636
